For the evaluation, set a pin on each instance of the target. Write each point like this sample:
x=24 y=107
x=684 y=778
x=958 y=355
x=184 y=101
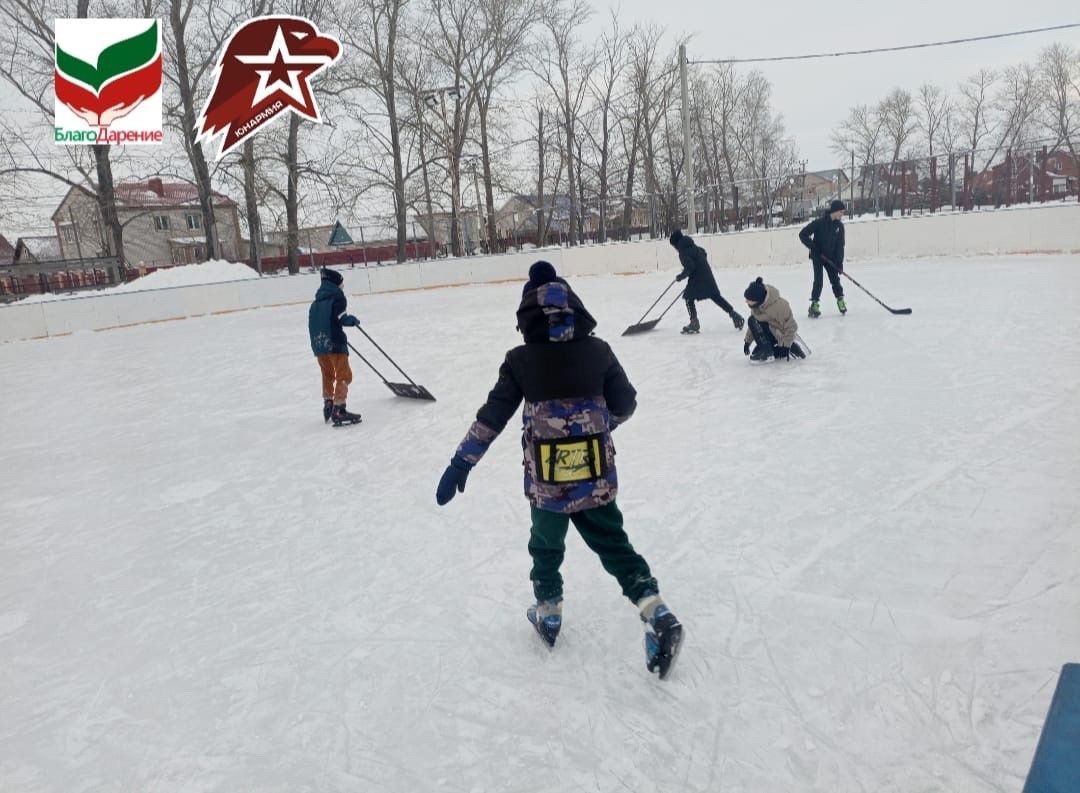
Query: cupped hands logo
x=266 y=69
x=104 y=86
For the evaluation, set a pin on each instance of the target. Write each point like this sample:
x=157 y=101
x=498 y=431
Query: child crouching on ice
x=771 y=324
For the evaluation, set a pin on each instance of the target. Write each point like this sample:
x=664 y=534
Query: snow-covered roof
x=42 y=248
x=154 y=193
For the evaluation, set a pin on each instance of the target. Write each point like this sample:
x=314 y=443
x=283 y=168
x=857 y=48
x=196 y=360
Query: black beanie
x=836 y=206
x=539 y=274
x=676 y=235
x=333 y=276
x=756 y=293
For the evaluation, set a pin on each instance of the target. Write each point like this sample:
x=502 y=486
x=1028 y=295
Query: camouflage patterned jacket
x=575 y=393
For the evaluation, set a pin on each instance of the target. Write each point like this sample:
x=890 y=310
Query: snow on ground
x=874 y=552
x=211 y=272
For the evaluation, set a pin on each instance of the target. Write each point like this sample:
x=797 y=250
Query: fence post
x=903 y=188
x=1008 y=178
x=967 y=183
x=952 y=182
x=1044 y=177
x=933 y=185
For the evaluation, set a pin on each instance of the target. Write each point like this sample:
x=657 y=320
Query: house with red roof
x=162 y=224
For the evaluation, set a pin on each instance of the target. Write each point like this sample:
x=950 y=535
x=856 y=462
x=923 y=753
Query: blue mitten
x=453 y=479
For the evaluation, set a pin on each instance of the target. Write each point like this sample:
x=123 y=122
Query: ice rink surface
x=875 y=552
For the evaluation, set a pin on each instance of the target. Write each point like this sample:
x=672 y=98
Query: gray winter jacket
x=776 y=313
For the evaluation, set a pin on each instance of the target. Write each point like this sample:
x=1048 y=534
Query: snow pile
x=211 y=272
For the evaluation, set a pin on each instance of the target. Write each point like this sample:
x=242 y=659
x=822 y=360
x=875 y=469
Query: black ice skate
x=343 y=418
x=762 y=352
x=327 y=410
x=693 y=327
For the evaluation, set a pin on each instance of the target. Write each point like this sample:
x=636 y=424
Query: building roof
x=154 y=192
x=7 y=251
x=43 y=248
x=829 y=175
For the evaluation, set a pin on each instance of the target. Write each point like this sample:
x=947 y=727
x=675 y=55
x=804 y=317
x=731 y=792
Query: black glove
x=781 y=353
x=453 y=478
x=681 y=276
x=746 y=348
x=350 y=321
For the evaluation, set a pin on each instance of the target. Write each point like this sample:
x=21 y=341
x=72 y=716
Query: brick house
x=1055 y=175
x=162 y=224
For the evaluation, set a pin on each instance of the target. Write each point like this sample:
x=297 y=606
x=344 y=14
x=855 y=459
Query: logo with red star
x=266 y=69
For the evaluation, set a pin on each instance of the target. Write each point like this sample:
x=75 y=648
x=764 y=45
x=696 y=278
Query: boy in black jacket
x=700 y=283
x=825 y=239
x=575 y=394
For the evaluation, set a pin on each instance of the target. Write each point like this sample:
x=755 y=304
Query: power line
x=890 y=49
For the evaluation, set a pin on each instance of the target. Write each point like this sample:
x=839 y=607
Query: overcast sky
x=814 y=95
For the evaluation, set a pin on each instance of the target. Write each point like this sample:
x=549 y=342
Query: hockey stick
x=634 y=328
x=410 y=390
x=887 y=308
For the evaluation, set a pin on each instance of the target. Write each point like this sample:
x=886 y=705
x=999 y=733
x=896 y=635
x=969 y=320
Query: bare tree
x=861 y=133
x=721 y=98
x=1059 y=93
x=899 y=122
x=416 y=78
x=652 y=79
x=372 y=29
x=759 y=134
x=452 y=34
x=976 y=121
x=611 y=60
x=565 y=71
x=505 y=25
x=629 y=126
x=1016 y=104
x=932 y=104
x=193 y=47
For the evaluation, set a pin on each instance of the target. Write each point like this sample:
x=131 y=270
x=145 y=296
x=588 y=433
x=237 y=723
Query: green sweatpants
x=602 y=530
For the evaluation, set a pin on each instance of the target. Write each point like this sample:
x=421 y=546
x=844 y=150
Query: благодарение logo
x=108 y=81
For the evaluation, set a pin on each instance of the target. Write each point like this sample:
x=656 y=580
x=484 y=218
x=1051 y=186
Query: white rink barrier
x=1044 y=229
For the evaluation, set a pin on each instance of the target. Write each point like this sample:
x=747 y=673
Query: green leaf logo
x=126 y=73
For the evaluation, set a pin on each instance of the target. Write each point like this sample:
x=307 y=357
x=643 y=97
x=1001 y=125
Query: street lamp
x=436 y=98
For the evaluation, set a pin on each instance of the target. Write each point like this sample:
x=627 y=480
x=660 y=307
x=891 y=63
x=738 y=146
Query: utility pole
x=479 y=219
x=688 y=154
x=851 y=182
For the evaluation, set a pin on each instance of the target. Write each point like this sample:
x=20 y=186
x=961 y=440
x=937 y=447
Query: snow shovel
x=409 y=390
x=642 y=327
